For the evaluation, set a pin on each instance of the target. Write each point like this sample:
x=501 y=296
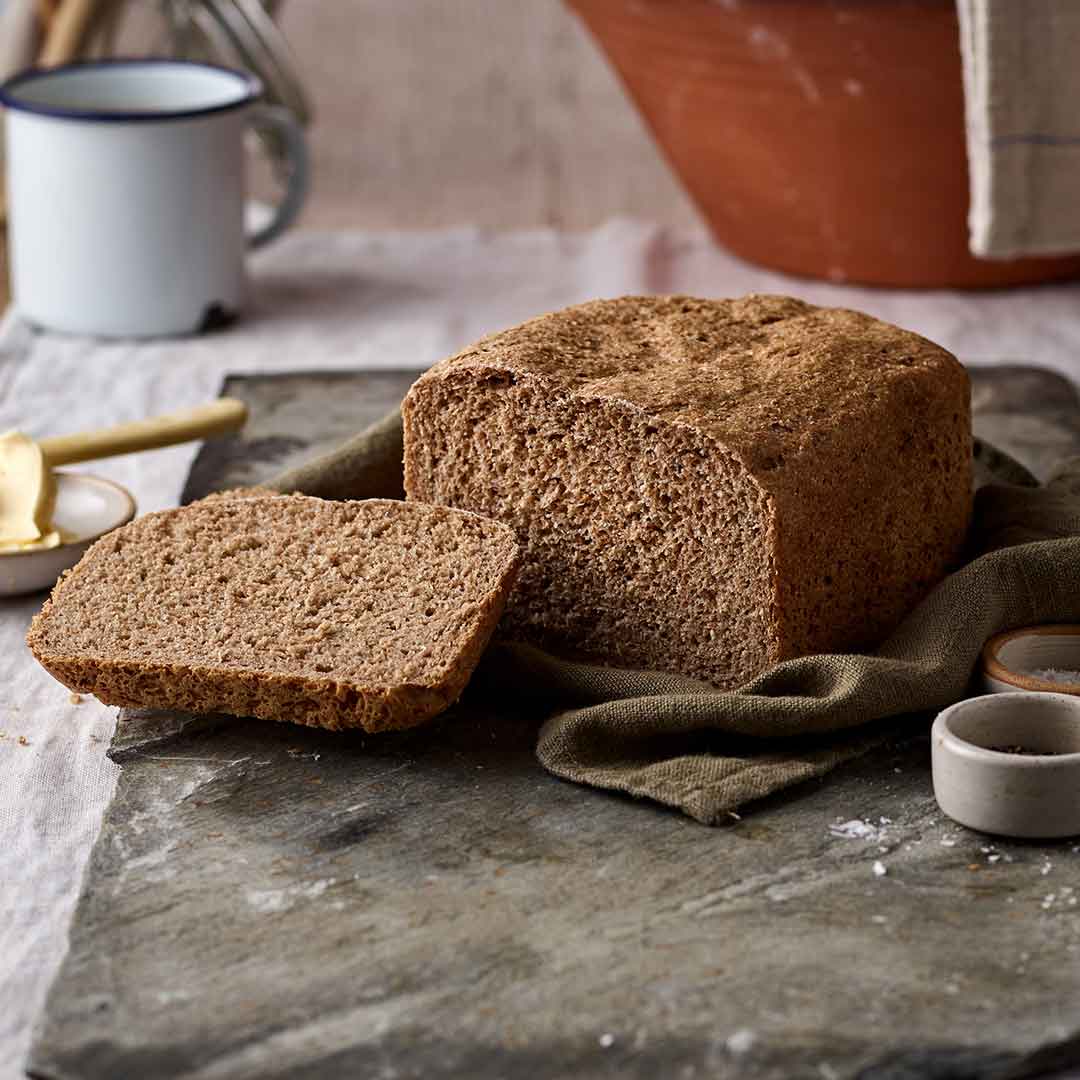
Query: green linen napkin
x=705 y=751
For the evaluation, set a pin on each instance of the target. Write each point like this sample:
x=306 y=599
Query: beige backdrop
x=496 y=112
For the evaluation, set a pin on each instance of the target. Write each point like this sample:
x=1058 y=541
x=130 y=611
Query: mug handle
x=280 y=124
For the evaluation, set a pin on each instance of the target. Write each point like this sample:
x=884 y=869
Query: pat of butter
x=27 y=494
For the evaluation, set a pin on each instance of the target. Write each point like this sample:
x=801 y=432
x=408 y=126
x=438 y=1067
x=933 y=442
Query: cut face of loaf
x=367 y=614
x=704 y=486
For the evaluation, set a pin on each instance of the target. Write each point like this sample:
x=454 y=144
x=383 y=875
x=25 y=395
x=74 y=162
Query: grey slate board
x=292 y=419
x=270 y=901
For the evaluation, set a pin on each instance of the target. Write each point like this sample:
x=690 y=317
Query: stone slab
x=269 y=901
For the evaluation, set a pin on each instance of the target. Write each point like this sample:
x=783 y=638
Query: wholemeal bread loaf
x=703 y=486
x=365 y=614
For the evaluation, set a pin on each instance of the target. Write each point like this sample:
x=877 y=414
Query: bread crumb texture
x=704 y=486
x=366 y=614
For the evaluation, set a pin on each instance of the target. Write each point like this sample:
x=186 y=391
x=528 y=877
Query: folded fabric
x=1021 y=84
x=686 y=744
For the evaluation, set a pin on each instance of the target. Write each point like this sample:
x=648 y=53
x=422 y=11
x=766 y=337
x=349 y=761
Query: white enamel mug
x=126 y=194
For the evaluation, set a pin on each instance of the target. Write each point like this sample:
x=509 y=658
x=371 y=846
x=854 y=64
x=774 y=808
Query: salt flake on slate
x=741 y=1041
x=854 y=830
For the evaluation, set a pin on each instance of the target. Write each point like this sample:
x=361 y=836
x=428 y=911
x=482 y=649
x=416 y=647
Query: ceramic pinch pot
x=1009 y=764
x=820 y=137
x=1033 y=658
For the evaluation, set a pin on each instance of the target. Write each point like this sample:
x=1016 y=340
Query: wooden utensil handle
x=68 y=29
x=216 y=418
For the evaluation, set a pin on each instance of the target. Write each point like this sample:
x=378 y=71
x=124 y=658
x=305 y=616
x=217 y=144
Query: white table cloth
x=325 y=301
x=1021 y=82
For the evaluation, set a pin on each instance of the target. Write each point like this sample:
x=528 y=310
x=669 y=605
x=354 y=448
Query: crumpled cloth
x=684 y=743
x=1021 y=87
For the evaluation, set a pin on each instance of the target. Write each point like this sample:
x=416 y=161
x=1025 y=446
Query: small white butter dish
x=1009 y=764
x=1045 y=658
x=87 y=507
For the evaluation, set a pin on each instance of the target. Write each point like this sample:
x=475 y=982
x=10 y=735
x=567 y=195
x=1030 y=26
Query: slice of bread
x=704 y=486
x=367 y=614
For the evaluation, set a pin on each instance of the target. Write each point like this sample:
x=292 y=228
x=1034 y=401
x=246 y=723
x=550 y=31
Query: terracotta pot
x=821 y=137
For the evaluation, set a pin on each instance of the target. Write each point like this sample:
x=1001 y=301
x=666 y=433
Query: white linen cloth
x=1022 y=100
x=325 y=301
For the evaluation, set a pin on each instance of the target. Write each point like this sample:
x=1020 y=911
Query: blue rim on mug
x=9 y=100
